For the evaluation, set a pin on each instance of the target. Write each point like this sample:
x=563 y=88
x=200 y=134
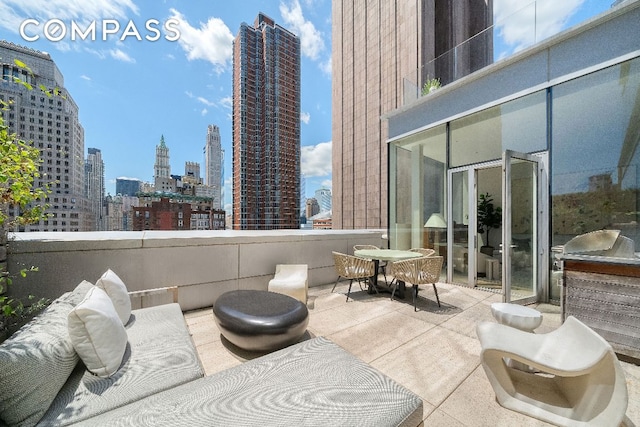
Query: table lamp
x=437 y=222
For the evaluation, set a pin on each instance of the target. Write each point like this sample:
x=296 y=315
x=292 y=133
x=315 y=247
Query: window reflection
x=596 y=130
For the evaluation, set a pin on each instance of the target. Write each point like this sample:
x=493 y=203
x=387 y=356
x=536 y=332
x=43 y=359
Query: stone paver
x=434 y=352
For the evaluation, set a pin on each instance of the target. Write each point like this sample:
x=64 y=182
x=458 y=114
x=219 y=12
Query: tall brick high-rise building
x=382 y=54
x=266 y=127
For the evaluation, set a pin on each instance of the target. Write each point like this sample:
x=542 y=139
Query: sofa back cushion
x=35 y=363
x=97 y=333
x=160 y=355
x=117 y=291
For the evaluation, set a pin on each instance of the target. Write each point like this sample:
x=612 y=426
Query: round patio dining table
x=390 y=255
x=386 y=254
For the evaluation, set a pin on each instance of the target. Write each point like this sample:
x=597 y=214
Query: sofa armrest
x=153 y=297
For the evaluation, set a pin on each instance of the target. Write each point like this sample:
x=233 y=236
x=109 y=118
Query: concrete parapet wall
x=202 y=264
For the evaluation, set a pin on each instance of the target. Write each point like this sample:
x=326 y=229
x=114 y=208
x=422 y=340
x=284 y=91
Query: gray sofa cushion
x=35 y=363
x=312 y=383
x=160 y=355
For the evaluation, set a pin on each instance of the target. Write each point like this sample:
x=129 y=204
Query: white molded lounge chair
x=580 y=381
x=291 y=279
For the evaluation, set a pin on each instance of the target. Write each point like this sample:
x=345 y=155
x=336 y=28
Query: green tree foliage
x=21 y=203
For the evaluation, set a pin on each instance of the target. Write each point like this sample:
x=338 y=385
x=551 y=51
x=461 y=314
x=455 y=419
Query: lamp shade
x=436 y=220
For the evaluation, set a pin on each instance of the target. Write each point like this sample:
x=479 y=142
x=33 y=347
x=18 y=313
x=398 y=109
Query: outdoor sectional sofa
x=161 y=382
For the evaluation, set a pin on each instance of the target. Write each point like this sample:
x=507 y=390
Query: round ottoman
x=260 y=320
x=517 y=316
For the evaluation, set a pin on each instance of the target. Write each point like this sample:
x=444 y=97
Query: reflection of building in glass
x=600 y=182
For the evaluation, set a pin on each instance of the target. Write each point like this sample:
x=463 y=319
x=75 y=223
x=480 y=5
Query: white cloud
x=305 y=117
x=311 y=41
x=211 y=42
x=327 y=183
x=227 y=102
x=325 y=67
x=316 y=159
x=205 y=101
x=121 y=56
x=83 y=77
x=204 y=112
x=13 y=12
x=520 y=23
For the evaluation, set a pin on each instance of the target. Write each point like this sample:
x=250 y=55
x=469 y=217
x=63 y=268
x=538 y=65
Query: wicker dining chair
x=352 y=268
x=424 y=251
x=382 y=265
x=417 y=271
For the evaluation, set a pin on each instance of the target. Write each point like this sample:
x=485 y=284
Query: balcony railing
x=512 y=31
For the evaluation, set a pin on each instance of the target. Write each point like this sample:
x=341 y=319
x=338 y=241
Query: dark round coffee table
x=260 y=320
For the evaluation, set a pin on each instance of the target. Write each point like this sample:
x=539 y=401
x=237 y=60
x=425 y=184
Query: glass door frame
x=541 y=236
x=542 y=233
x=472 y=209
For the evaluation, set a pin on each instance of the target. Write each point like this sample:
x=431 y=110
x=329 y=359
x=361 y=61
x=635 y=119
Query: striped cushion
x=313 y=383
x=35 y=363
x=160 y=355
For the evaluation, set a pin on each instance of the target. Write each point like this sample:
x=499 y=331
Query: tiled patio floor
x=433 y=352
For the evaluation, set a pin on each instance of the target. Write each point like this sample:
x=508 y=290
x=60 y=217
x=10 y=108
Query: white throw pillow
x=117 y=291
x=97 y=334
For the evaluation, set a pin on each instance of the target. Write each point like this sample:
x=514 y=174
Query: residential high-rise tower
x=382 y=55
x=49 y=123
x=266 y=127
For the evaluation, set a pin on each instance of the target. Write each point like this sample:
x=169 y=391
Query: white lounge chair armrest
x=570 y=350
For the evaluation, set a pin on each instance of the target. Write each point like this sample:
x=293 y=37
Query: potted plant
x=430 y=85
x=489 y=217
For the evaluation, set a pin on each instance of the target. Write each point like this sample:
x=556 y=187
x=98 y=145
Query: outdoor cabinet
x=604 y=293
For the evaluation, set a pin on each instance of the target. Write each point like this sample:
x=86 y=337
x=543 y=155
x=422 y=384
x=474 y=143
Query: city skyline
x=179 y=87
x=183 y=86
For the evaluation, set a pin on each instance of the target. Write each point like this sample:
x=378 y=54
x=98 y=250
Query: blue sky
x=131 y=92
